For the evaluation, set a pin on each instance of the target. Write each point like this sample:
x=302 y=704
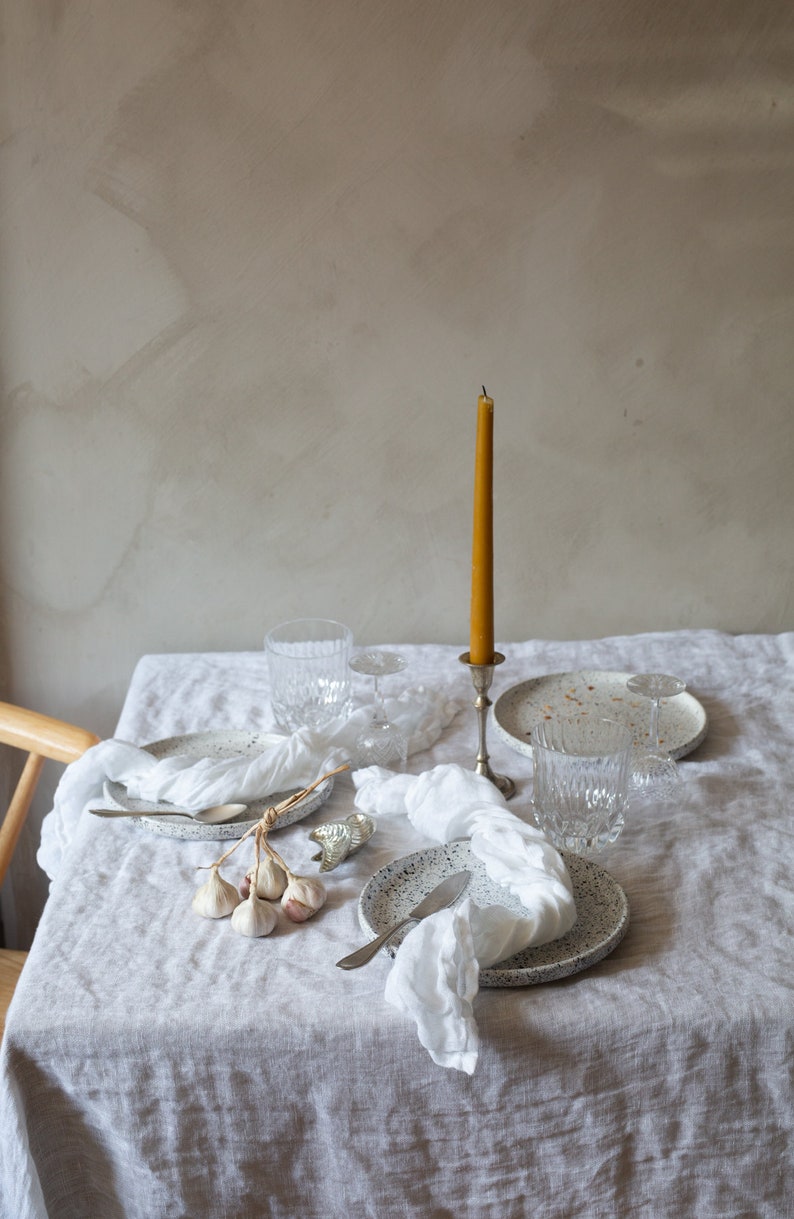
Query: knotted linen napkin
x=435 y=975
x=295 y=762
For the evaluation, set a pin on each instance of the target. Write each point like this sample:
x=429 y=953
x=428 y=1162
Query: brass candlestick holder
x=482 y=676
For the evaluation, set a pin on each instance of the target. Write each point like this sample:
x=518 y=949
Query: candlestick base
x=482 y=676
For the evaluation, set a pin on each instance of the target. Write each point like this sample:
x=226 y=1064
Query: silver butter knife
x=443 y=895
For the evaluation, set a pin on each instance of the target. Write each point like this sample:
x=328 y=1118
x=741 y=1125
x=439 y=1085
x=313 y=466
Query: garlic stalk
x=216 y=898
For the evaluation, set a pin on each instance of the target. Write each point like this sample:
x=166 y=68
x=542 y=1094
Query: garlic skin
x=303 y=897
x=216 y=898
x=271 y=880
x=254 y=917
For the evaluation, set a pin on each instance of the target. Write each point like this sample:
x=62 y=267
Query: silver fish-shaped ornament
x=363 y=827
x=338 y=839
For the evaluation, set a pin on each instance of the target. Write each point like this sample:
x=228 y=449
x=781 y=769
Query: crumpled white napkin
x=294 y=762
x=435 y=975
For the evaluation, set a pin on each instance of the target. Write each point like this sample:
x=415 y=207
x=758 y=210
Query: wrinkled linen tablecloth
x=157 y=1065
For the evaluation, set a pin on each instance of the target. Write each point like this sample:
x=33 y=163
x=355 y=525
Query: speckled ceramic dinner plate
x=214 y=745
x=602 y=911
x=594 y=694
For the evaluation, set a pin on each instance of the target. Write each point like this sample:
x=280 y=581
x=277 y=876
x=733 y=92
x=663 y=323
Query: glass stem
x=379 y=716
x=653 y=733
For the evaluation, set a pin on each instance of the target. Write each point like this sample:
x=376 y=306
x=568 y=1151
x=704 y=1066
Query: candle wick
x=484 y=394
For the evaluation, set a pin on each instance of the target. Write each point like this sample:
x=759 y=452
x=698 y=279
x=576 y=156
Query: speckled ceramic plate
x=214 y=745
x=593 y=693
x=602 y=911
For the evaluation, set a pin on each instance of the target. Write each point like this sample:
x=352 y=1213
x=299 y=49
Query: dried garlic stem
x=231 y=850
x=287 y=804
x=271 y=816
x=273 y=853
x=257 y=845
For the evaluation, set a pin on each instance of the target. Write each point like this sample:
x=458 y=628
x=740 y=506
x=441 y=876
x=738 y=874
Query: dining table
x=157 y=1065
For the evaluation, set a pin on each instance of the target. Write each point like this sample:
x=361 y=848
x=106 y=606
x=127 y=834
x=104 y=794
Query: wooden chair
x=40 y=737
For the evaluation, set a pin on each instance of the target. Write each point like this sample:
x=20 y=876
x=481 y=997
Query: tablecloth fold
x=295 y=762
x=435 y=976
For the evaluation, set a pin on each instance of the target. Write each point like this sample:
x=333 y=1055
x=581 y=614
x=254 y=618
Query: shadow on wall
x=11 y=763
x=19 y=910
x=9 y=767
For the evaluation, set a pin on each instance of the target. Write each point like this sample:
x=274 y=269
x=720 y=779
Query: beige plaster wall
x=257 y=258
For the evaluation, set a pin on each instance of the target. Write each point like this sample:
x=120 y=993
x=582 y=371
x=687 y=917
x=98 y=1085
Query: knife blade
x=443 y=895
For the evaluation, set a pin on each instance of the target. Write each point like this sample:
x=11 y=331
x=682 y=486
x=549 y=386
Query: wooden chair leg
x=11 y=962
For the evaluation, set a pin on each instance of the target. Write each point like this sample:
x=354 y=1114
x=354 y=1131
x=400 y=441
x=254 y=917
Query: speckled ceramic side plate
x=214 y=745
x=595 y=694
x=602 y=911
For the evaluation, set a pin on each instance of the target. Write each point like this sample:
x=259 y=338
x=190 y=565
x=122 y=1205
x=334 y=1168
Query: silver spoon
x=215 y=815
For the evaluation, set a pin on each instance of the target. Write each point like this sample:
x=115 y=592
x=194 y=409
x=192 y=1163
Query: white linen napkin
x=435 y=975
x=294 y=762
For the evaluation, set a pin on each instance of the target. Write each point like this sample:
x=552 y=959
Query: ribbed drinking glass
x=581 y=772
x=309 y=674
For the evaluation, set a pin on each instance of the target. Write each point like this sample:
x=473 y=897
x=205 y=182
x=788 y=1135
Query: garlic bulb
x=271 y=880
x=302 y=898
x=216 y=898
x=254 y=917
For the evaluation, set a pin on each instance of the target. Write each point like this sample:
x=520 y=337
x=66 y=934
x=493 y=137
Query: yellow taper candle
x=481 y=645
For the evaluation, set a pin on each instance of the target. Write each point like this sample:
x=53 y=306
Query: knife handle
x=362 y=955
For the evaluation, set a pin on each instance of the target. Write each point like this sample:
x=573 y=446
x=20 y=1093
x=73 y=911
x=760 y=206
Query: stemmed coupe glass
x=380 y=743
x=654 y=771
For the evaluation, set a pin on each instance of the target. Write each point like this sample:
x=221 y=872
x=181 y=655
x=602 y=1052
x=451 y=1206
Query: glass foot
x=381 y=744
x=655 y=774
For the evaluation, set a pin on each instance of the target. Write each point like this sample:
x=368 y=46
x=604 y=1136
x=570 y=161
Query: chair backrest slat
x=35 y=733
x=40 y=736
